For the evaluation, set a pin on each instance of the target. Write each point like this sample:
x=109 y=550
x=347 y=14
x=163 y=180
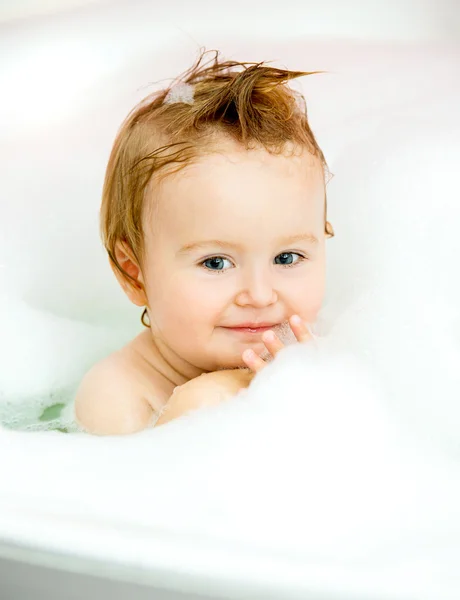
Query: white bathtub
x=369 y=511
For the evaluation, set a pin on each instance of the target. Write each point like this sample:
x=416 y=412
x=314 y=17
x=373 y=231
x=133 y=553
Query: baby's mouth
x=252 y=329
x=282 y=330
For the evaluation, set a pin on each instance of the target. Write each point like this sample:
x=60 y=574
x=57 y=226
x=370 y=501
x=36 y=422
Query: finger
x=254 y=362
x=300 y=328
x=272 y=341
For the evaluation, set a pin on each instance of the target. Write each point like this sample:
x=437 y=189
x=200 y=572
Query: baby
x=214 y=219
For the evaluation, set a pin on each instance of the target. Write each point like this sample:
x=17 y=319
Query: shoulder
x=109 y=399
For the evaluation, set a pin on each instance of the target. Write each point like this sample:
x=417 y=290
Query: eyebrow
x=292 y=239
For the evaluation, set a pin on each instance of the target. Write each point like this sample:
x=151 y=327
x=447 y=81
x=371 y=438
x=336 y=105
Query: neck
x=165 y=361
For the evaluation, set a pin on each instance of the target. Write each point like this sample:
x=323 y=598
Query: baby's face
x=230 y=240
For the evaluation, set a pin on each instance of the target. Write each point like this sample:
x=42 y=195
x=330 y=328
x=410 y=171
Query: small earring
x=145 y=314
x=329 y=229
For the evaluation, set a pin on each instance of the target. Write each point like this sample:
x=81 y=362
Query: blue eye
x=287 y=260
x=217 y=263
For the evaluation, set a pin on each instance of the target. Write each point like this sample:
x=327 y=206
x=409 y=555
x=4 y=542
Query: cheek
x=187 y=303
x=309 y=294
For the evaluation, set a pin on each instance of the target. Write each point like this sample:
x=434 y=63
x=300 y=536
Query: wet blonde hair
x=248 y=102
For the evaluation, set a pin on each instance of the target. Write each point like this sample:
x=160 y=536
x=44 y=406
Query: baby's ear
x=133 y=288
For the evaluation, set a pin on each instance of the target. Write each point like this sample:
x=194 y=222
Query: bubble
x=285 y=334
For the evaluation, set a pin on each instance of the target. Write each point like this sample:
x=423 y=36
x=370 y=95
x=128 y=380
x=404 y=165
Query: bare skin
x=208 y=389
x=212 y=388
x=134 y=385
x=153 y=393
x=206 y=273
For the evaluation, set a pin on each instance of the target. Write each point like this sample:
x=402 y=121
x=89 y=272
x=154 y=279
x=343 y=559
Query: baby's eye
x=215 y=263
x=286 y=258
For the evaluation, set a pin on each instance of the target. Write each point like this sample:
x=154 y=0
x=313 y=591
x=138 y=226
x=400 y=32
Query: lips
x=252 y=327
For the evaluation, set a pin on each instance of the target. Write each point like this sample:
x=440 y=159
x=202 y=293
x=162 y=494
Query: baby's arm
x=108 y=401
x=206 y=390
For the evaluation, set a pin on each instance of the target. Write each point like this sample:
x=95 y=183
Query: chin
x=235 y=364
x=230 y=362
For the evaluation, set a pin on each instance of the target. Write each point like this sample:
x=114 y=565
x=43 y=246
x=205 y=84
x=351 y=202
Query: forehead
x=236 y=191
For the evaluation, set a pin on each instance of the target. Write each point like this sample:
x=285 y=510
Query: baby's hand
x=274 y=344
